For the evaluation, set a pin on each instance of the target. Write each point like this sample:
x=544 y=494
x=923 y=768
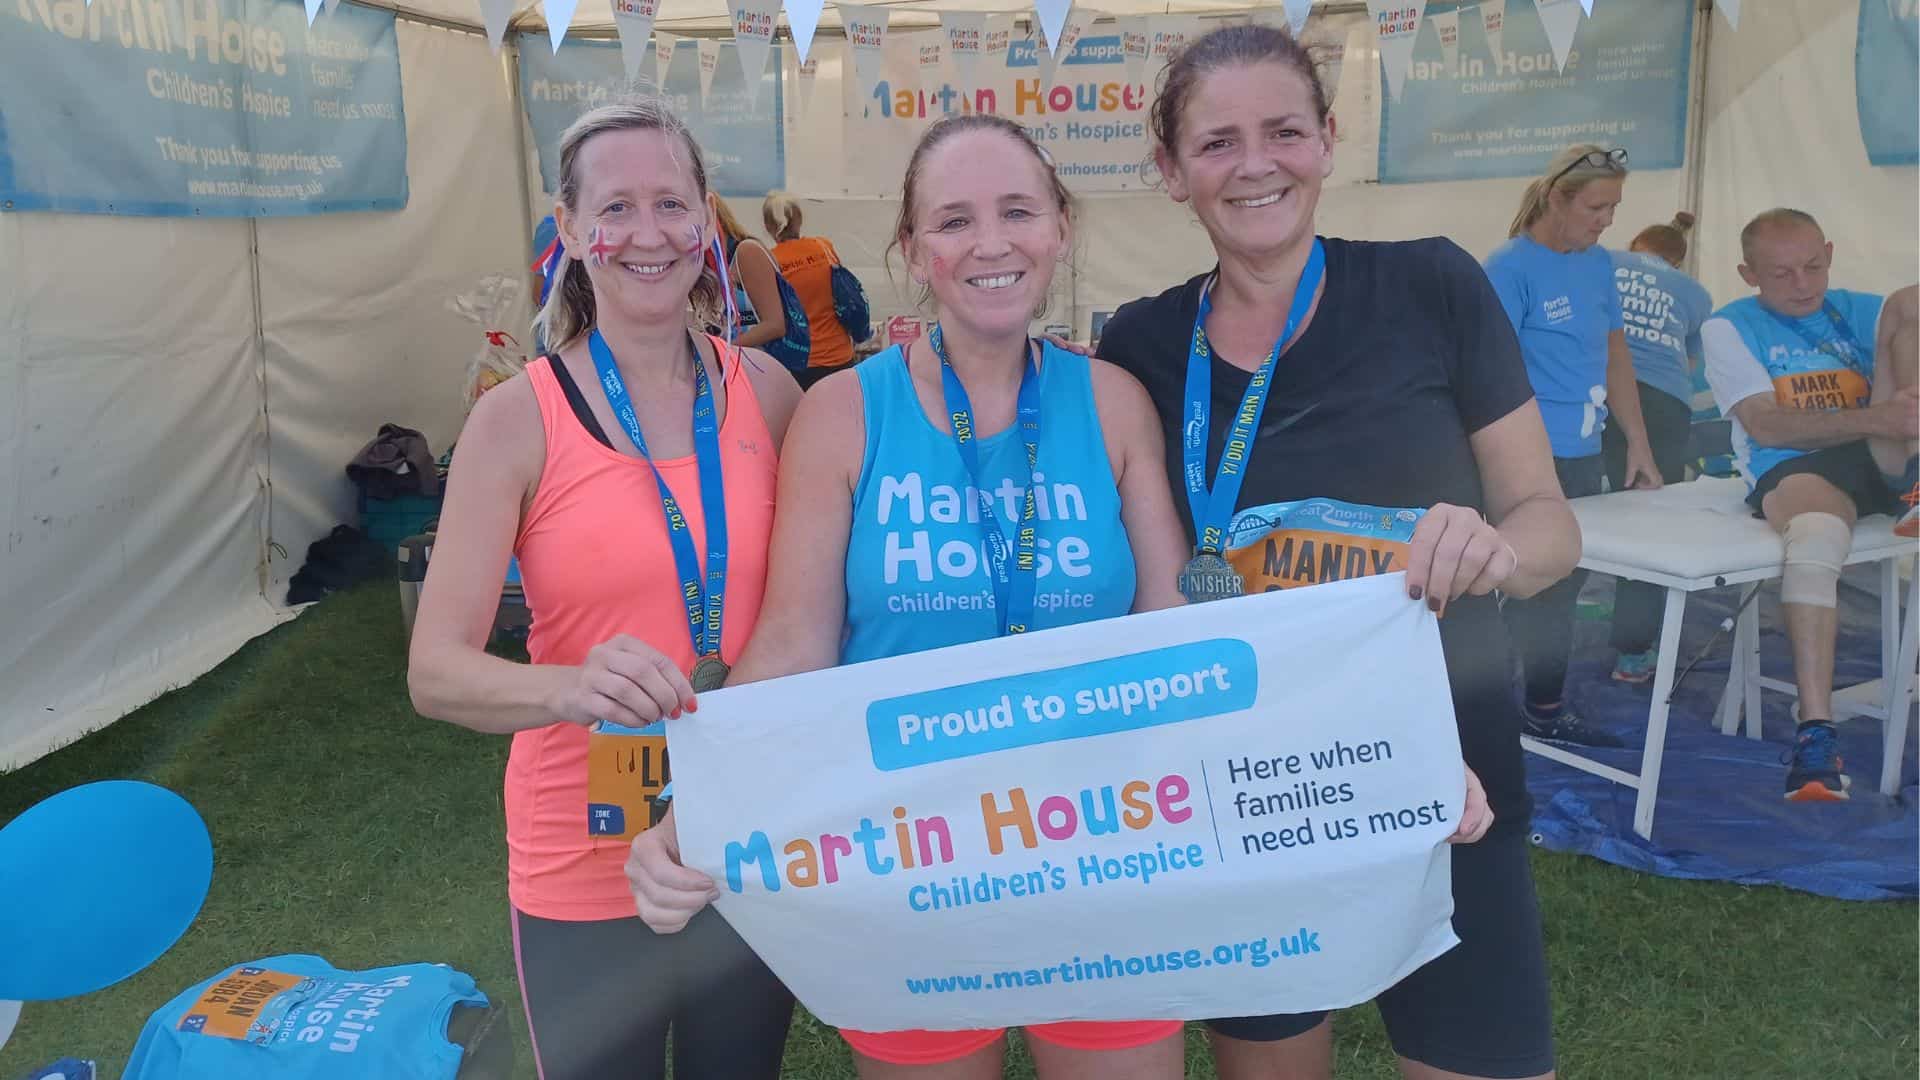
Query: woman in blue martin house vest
x=866 y=565
x=1378 y=374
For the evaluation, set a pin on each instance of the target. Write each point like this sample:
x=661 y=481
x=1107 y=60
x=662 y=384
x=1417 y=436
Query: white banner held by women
x=1233 y=809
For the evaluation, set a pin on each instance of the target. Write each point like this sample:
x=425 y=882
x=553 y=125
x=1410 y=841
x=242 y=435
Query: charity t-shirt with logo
x=1562 y=306
x=1662 y=310
x=1810 y=362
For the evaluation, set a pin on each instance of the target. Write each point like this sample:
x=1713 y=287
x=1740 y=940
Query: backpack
x=794 y=347
x=850 y=303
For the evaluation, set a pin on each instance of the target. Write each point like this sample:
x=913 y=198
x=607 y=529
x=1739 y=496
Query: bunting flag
x=1729 y=8
x=1493 y=23
x=709 y=51
x=1167 y=33
x=1051 y=18
x=663 y=47
x=803 y=18
x=1587 y=6
x=753 y=22
x=331 y=4
x=494 y=14
x=1561 y=18
x=313 y=8
x=1135 y=42
x=866 y=29
x=1331 y=60
x=1397 y=24
x=965 y=33
x=804 y=76
x=1447 y=25
x=634 y=20
x=559 y=17
x=930 y=47
x=1079 y=21
x=998 y=40
x=1297 y=11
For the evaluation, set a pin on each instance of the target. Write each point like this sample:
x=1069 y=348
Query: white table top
x=1700 y=534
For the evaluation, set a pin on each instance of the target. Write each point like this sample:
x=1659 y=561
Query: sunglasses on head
x=1614 y=160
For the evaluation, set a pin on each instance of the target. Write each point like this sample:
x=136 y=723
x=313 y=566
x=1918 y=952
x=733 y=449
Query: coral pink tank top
x=595 y=562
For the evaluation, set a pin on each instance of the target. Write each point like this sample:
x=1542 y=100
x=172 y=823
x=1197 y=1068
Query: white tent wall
x=355 y=305
x=1783 y=130
x=130 y=495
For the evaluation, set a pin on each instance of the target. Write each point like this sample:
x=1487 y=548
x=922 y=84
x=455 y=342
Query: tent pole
x=264 y=466
x=512 y=57
x=1695 y=175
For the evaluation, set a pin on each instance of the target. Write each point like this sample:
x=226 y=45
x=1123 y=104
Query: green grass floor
x=345 y=825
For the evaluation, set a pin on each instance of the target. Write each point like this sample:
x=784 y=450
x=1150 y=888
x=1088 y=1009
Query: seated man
x=1821 y=389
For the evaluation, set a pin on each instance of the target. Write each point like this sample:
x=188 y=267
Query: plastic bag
x=494 y=304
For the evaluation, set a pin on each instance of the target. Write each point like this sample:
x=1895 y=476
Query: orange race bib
x=626 y=771
x=1293 y=544
x=232 y=1007
x=1822 y=391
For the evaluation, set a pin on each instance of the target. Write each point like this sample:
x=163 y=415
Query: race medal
x=710 y=674
x=1210 y=577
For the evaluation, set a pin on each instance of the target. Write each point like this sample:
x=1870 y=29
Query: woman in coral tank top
x=632 y=473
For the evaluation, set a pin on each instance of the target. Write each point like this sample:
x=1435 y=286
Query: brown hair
x=1569 y=171
x=946 y=128
x=569 y=311
x=1232 y=45
x=1668 y=241
x=1767 y=219
x=781 y=215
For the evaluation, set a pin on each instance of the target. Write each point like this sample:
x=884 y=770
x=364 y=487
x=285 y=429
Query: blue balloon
x=101 y=880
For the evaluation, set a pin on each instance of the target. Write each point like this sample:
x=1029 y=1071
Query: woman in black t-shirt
x=1404 y=388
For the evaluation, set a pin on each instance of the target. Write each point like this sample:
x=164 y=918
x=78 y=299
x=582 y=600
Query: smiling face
x=1250 y=157
x=639 y=224
x=987 y=229
x=1789 y=264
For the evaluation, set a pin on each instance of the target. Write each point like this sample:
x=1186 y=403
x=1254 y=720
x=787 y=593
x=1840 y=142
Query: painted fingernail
x=1414 y=592
x=1434 y=602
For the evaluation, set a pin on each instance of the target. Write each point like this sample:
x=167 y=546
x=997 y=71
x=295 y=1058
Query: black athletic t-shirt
x=1408 y=353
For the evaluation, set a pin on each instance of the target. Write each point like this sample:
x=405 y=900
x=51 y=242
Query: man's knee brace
x=1817 y=546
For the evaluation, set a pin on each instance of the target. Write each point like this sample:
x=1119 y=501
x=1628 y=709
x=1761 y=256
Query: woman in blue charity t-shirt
x=1663 y=310
x=904 y=490
x=1556 y=284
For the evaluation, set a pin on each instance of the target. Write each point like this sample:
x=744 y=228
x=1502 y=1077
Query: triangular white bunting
x=930 y=48
x=1134 y=42
x=1079 y=21
x=866 y=30
x=1297 y=11
x=1331 y=59
x=803 y=18
x=1051 y=16
x=1042 y=52
x=1167 y=33
x=1397 y=24
x=1731 y=9
x=1493 y=23
x=966 y=34
x=1562 y=20
x=634 y=20
x=331 y=4
x=313 y=9
x=805 y=76
x=559 y=16
x=709 y=51
x=663 y=47
x=1587 y=6
x=998 y=40
x=1447 y=25
x=494 y=15
x=752 y=35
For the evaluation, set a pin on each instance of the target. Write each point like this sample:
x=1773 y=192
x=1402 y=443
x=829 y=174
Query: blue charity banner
x=1886 y=80
x=740 y=138
x=1625 y=84
x=184 y=108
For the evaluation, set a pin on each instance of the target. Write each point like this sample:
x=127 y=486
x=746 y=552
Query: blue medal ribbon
x=1844 y=346
x=1015 y=566
x=1213 y=510
x=705 y=604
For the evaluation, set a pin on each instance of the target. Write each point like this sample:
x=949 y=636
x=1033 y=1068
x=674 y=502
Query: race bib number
x=1822 y=391
x=241 y=1006
x=626 y=771
x=1292 y=544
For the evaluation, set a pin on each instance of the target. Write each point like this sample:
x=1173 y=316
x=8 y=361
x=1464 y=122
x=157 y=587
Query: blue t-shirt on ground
x=1662 y=310
x=1562 y=306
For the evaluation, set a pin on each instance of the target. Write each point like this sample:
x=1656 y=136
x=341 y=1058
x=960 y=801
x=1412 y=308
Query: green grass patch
x=347 y=826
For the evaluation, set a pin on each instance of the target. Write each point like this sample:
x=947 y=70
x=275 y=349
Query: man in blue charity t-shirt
x=1820 y=384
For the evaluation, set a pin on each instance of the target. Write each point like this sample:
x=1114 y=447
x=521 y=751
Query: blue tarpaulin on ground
x=1720 y=814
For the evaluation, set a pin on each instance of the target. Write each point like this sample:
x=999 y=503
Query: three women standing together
x=1392 y=379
